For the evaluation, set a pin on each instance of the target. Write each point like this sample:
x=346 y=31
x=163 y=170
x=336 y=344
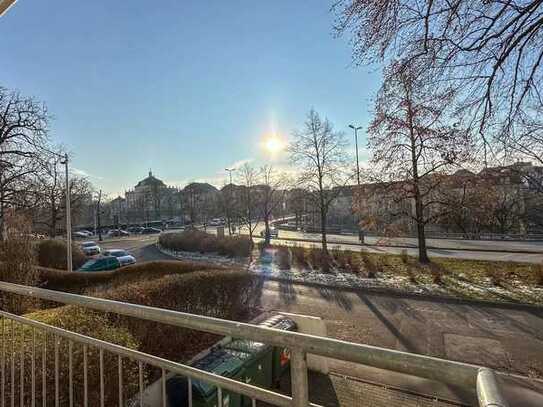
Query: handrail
x=441 y=370
x=179 y=368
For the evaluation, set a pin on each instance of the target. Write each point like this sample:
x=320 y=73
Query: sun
x=273 y=144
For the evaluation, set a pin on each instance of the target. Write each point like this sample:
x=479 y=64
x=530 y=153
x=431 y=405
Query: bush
x=198 y=241
x=84 y=322
x=77 y=282
x=229 y=294
x=16 y=261
x=52 y=254
x=282 y=257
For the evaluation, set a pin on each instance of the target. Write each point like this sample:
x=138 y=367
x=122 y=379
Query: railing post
x=298 y=378
x=488 y=391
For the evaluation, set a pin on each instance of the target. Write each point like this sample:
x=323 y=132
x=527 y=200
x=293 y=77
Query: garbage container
x=257 y=363
x=204 y=394
x=280 y=356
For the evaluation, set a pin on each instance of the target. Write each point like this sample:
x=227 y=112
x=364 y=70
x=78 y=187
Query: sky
x=185 y=88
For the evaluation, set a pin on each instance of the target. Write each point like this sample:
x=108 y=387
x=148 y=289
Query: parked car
x=136 y=230
x=274 y=232
x=79 y=235
x=117 y=233
x=101 y=264
x=216 y=222
x=150 y=231
x=90 y=248
x=122 y=255
x=86 y=232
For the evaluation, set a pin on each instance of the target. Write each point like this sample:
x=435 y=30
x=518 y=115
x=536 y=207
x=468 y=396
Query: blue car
x=101 y=264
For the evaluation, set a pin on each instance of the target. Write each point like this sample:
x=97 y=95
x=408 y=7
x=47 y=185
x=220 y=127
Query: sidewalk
x=334 y=390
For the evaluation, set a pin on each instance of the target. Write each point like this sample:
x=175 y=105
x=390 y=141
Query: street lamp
x=356 y=146
x=356 y=128
x=230 y=171
x=64 y=161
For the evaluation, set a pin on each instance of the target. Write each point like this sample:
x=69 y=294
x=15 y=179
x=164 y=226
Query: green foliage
x=198 y=241
x=52 y=253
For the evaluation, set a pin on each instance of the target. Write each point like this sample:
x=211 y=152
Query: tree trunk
x=267 y=230
x=323 y=232
x=421 y=234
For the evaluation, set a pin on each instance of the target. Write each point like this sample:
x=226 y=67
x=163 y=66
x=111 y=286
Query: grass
x=475 y=279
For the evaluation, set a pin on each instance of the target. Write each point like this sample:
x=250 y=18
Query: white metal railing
x=466 y=376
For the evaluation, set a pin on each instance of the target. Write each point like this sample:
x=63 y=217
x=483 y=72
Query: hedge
x=52 y=253
x=198 y=241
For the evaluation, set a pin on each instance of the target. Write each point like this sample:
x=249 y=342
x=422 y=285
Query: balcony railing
x=33 y=380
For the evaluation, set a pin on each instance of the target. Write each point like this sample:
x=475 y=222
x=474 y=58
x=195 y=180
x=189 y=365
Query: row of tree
x=461 y=88
x=32 y=178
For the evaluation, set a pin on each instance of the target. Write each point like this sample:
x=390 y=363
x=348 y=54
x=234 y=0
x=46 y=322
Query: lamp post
x=356 y=128
x=68 y=216
x=356 y=146
x=230 y=171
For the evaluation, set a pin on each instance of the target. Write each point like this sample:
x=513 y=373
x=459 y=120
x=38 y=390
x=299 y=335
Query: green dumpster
x=222 y=362
x=257 y=363
x=280 y=356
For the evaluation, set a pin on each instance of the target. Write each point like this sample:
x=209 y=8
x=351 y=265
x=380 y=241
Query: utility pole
x=68 y=216
x=230 y=171
x=98 y=210
x=356 y=128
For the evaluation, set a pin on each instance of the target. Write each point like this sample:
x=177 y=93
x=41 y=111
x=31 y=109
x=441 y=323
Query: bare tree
x=251 y=196
x=489 y=50
x=413 y=146
x=318 y=151
x=273 y=195
x=51 y=190
x=23 y=131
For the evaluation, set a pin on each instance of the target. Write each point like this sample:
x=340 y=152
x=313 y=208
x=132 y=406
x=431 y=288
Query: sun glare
x=273 y=144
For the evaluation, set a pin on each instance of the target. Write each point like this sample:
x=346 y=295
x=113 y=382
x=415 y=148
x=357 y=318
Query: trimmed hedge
x=79 y=281
x=198 y=241
x=52 y=253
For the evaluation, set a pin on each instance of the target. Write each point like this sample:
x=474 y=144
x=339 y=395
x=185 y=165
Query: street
x=515 y=251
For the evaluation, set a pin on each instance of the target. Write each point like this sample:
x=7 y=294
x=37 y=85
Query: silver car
x=122 y=255
x=90 y=248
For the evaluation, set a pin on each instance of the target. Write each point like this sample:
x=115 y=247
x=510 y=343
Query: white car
x=122 y=255
x=90 y=248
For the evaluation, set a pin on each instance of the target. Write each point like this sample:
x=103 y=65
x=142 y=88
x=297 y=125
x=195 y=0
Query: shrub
x=77 y=282
x=198 y=241
x=404 y=257
x=299 y=256
x=230 y=294
x=539 y=277
x=52 y=254
x=16 y=261
x=282 y=257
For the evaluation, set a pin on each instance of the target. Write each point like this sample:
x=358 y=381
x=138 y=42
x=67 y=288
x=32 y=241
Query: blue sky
x=183 y=87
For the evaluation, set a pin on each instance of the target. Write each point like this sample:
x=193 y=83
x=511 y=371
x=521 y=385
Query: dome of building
x=151 y=181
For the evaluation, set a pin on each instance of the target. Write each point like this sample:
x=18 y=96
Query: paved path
x=500 y=337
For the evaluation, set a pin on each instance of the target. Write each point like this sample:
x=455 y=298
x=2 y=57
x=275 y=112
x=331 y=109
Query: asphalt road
x=516 y=251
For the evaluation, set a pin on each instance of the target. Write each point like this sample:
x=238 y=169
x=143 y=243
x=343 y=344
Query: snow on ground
x=266 y=266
